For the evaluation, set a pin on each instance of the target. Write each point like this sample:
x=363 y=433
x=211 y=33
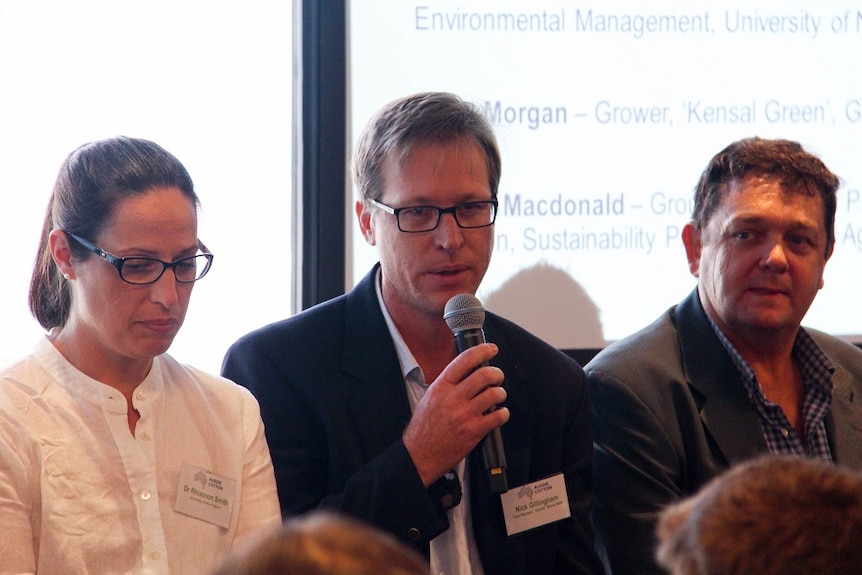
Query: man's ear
x=58 y=242
x=691 y=238
x=363 y=215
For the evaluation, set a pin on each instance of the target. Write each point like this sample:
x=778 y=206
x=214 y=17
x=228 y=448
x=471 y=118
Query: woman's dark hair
x=91 y=181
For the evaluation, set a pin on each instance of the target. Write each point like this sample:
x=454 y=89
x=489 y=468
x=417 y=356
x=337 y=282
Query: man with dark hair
x=368 y=408
x=729 y=373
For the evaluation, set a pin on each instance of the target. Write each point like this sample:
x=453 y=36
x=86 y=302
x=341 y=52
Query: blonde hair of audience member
x=322 y=543
x=773 y=516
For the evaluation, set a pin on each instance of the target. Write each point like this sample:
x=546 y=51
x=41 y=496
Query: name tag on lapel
x=535 y=504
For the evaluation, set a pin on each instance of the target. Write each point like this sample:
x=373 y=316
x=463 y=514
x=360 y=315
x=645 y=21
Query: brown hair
x=773 y=516
x=429 y=117
x=322 y=543
x=784 y=160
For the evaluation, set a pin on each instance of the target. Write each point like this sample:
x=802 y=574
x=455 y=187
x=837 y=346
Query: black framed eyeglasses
x=415 y=219
x=141 y=270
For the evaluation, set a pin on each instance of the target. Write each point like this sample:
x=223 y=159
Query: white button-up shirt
x=80 y=494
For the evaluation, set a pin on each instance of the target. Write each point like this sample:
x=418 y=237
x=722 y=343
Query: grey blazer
x=669 y=413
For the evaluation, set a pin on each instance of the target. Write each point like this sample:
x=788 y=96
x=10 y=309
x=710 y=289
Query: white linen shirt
x=80 y=494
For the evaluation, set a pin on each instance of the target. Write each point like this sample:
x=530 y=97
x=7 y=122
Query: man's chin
x=771 y=322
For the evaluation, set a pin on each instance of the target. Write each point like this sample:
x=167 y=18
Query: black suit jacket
x=335 y=406
x=670 y=412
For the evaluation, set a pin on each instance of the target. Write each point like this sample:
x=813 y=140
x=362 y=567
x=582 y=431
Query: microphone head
x=464 y=311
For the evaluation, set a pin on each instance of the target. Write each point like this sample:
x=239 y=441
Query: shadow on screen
x=548 y=302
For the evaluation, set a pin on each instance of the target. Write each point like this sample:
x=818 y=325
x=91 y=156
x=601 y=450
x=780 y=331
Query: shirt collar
x=817 y=368
x=65 y=374
x=405 y=357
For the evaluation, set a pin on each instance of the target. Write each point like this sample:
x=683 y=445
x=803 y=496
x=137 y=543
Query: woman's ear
x=58 y=242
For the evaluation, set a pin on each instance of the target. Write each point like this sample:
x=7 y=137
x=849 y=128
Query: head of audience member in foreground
x=773 y=516
x=322 y=543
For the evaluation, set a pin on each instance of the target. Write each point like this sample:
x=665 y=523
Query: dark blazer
x=670 y=412
x=334 y=404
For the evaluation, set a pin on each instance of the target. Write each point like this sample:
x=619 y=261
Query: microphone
x=465 y=316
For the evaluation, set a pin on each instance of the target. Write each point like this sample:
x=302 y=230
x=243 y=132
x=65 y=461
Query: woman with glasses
x=115 y=457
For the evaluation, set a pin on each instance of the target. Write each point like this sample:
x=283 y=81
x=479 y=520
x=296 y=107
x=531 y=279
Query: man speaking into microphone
x=371 y=410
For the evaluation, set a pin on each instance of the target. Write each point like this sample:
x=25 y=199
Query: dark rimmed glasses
x=416 y=219
x=141 y=270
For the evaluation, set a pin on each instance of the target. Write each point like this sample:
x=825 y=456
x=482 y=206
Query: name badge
x=535 y=504
x=204 y=495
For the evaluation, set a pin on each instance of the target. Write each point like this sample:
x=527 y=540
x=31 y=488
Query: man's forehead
x=759 y=192
x=434 y=158
x=461 y=145
x=767 y=183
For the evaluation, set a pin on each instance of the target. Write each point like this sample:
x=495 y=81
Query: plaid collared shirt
x=781 y=437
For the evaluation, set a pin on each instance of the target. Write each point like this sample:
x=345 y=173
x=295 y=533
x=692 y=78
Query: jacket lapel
x=373 y=387
x=725 y=410
x=843 y=421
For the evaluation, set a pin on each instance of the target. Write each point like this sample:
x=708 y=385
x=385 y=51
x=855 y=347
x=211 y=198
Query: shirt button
x=140 y=395
x=155 y=555
x=413 y=534
x=146 y=435
x=784 y=432
x=145 y=495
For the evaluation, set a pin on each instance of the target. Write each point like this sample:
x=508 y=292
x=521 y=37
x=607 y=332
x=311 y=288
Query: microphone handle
x=493 y=455
x=468 y=338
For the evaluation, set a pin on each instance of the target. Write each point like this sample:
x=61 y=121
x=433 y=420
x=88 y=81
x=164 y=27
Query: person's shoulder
x=30 y=376
x=658 y=341
x=18 y=387
x=19 y=371
x=318 y=319
x=319 y=323
x=524 y=343
x=174 y=370
x=185 y=377
x=838 y=350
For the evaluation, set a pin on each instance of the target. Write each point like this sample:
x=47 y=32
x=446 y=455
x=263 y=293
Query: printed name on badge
x=205 y=495
x=535 y=504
